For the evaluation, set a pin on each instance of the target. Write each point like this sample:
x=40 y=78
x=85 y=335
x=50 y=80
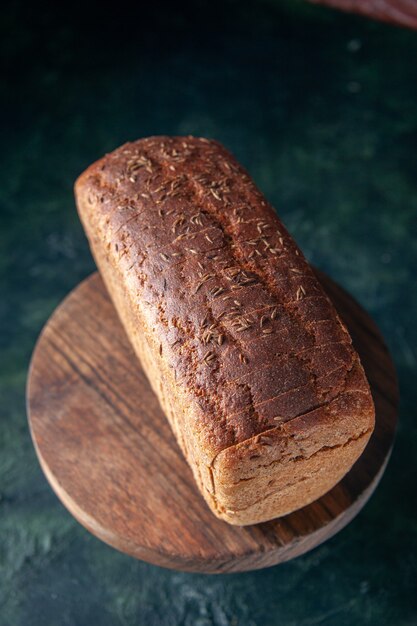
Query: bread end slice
x=290 y=466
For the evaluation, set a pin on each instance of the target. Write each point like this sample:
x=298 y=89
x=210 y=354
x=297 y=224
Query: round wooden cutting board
x=111 y=457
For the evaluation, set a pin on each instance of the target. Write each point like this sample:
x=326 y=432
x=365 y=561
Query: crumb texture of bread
x=251 y=363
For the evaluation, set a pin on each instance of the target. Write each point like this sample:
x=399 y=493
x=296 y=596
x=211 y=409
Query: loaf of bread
x=252 y=365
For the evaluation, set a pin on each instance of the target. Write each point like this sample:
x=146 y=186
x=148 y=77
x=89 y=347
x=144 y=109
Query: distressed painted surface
x=321 y=108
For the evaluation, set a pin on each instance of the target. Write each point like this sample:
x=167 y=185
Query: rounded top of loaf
x=224 y=294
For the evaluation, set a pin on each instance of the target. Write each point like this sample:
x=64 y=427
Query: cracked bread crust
x=248 y=357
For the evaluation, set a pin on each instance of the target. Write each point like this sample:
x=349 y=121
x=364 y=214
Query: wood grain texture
x=401 y=12
x=111 y=457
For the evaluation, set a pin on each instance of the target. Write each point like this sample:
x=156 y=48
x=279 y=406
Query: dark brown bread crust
x=224 y=296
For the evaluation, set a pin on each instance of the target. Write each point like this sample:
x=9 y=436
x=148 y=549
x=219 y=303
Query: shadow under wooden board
x=111 y=457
